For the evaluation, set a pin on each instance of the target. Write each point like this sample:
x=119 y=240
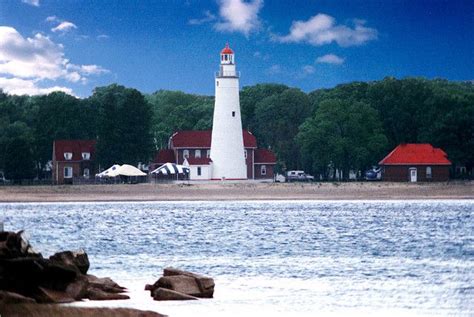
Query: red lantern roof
x=227 y=50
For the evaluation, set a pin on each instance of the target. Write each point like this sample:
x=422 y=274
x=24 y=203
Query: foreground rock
x=26 y=276
x=47 y=310
x=181 y=285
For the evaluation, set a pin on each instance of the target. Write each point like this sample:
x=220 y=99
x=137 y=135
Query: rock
x=167 y=294
x=180 y=283
x=184 y=282
x=97 y=294
x=206 y=284
x=105 y=284
x=14 y=298
x=79 y=288
x=45 y=295
x=78 y=260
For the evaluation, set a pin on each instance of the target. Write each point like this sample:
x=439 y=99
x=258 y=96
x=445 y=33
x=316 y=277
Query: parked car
x=374 y=174
x=298 y=176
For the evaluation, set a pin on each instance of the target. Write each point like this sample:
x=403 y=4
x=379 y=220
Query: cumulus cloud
x=17 y=86
x=64 y=27
x=52 y=18
x=34 y=3
x=274 y=69
x=239 y=16
x=330 y=59
x=322 y=29
x=26 y=62
x=208 y=17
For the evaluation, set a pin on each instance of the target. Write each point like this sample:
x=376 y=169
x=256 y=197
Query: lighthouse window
x=217 y=83
x=225 y=57
x=233 y=113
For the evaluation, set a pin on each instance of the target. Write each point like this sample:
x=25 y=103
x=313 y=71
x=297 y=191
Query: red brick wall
x=400 y=173
x=269 y=174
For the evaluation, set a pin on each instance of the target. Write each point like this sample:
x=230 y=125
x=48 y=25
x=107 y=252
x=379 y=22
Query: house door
x=413 y=175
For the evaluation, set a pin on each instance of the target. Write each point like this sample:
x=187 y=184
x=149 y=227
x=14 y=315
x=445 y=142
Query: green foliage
x=176 y=110
x=124 y=126
x=18 y=157
x=277 y=118
x=342 y=134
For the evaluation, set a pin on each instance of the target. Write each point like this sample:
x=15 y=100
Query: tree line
x=349 y=127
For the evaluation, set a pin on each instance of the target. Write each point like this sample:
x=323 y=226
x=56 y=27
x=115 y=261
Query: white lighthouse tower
x=227 y=145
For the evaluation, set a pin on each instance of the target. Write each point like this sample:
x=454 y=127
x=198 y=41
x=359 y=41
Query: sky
x=77 y=45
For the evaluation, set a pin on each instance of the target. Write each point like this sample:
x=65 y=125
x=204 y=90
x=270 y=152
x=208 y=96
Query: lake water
x=305 y=258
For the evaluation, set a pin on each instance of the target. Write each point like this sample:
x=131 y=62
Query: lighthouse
x=227 y=144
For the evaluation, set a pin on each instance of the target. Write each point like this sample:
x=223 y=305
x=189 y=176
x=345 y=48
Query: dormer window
x=86 y=155
x=68 y=156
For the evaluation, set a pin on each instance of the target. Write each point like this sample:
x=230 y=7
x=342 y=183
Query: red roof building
x=195 y=147
x=415 y=162
x=73 y=159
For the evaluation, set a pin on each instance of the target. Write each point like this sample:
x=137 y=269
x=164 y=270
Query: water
x=302 y=258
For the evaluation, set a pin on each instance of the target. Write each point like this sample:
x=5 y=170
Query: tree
x=19 y=162
x=277 y=120
x=342 y=134
x=124 y=125
x=176 y=110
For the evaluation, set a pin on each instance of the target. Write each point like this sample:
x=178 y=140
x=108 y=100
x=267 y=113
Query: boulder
x=167 y=294
x=97 y=294
x=45 y=295
x=206 y=284
x=184 y=282
x=105 y=284
x=79 y=288
x=14 y=298
x=78 y=261
x=180 y=283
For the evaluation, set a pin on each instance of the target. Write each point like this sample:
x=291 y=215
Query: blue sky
x=75 y=46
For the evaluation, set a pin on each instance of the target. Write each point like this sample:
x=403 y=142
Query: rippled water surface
x=285 y=258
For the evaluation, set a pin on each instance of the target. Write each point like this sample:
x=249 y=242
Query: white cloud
x=64 y=27
x=17 y=86
x=29 y=61
x=208 y=17
x=274 y=69
x=239 y=16
x=322 y=29
x=52 y=18
x=35 y=3
x=330 y=59
x=308 y=69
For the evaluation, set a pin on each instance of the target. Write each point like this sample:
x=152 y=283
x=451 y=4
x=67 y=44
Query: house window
x=68 y=155
x=428 y=172
x=233 y=113
x=199 y=170
x=186 y=153
x=197 y=153
x=208 y=154
x=245 y=154
x=86 y=173
x=263 y=170
x=68 y=172
x=86 y=156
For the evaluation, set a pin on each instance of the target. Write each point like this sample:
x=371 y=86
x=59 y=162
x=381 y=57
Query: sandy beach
x=238 y=191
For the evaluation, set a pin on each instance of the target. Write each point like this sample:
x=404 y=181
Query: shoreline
x=238 y=191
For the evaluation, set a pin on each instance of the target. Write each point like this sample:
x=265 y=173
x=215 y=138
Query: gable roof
x=264 y=156
x=416 y=154
x=202 y=139
x=164 y=156
x=199 y=160
x=76 y=147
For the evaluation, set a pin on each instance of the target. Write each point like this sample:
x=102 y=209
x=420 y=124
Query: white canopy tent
x=129 y=170
x=124 y=170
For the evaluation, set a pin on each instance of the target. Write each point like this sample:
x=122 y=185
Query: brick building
x=193 y=148
x=415 y=163
x=73 y=159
